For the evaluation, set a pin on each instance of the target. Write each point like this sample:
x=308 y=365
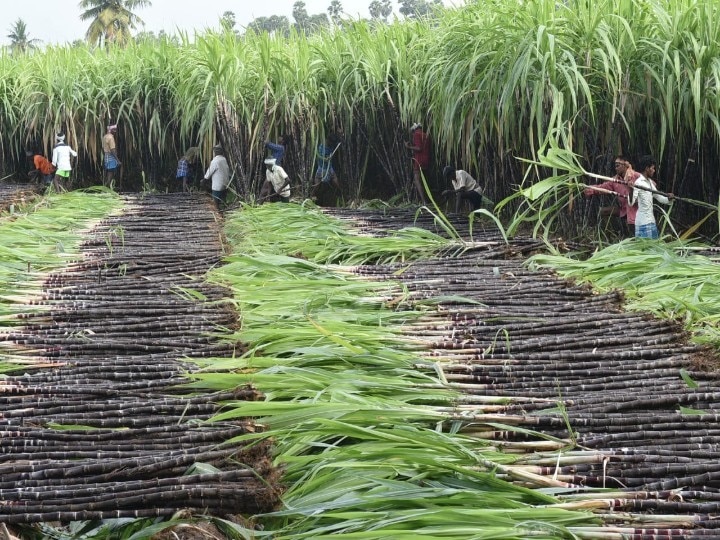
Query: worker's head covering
x=448 y=172
x=112 y=127
x=60 y=137
x=416 y=125
x=270 y=161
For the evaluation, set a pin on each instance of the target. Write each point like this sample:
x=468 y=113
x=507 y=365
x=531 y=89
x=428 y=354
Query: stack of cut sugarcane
x=514 y=378
x=13 y=195
x=98 y=425
x=627 y=382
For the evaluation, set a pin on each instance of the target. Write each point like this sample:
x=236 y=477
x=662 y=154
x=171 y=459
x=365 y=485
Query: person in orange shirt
x=43 y=168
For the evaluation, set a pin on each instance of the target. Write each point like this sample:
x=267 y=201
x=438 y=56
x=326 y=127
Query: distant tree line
x=380 y=10
x=113 y=21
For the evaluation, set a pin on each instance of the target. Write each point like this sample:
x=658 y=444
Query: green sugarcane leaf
x=687 y=410
x=76 y=427
x=191 y=294
x=539 y=189
x=688 y=380
x=151 y=530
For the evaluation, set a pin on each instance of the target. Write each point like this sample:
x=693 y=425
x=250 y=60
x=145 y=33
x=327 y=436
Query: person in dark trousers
x=325 y=173
x=277 y=183
x=43 y=170
x=621 y=186
x=219 y=174
x=185 y=165
x=420 y=146
x=465 y=188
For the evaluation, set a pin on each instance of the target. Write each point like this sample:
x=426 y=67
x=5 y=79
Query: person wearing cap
x=111 y=161
x=43 y=168
x=219 y=173
x=465 y=188
x=277 y=183
x=420 y=146
x=61 y=160
x=188 y=159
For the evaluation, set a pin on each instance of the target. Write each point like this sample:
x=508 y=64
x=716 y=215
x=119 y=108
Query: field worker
x=465 y=188
x=219 y=173
x=61 y=160
x=186 y=162
x=43 y=168
x=277 y=183
x=277 y=150
x=645 y=226
x=620 y=185
x=420 y=146
x=325 y=173
x=111 y=161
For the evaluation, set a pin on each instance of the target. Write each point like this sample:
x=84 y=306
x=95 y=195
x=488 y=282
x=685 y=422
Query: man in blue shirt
x=325 y=173
x=277 y=150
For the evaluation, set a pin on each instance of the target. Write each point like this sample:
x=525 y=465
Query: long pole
x=650 y=190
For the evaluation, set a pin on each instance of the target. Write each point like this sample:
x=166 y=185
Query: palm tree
x=20 y=41
x=111 y=20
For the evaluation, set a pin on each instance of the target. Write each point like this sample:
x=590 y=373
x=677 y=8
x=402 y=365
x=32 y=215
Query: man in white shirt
x=61 y=160
x=645 y=226
x=277 y=183
x=219 y=173
x=465 y=188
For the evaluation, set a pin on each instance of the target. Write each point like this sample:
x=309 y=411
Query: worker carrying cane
x=621 y=186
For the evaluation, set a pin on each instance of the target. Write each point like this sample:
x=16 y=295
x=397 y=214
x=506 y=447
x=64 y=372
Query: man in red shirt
x=420 y=146
x=621 y=186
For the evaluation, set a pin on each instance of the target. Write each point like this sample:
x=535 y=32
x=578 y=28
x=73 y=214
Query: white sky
x=58 y=21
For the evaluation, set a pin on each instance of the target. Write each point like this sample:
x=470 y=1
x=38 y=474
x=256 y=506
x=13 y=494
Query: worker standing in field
x=621 y=185
x=219 y=174
x=43 y=168
x=277 y=183
x=277 y=150
x=325 y=173
x=111 y=161
x=465 y=188
x=645 y=226
x=185 y=165
x=420 y=145
x=61 y=161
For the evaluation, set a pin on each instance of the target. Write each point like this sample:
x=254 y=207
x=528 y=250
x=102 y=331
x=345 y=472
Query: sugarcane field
x=447 y=276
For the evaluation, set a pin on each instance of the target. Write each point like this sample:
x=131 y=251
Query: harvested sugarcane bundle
x=127 y=318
